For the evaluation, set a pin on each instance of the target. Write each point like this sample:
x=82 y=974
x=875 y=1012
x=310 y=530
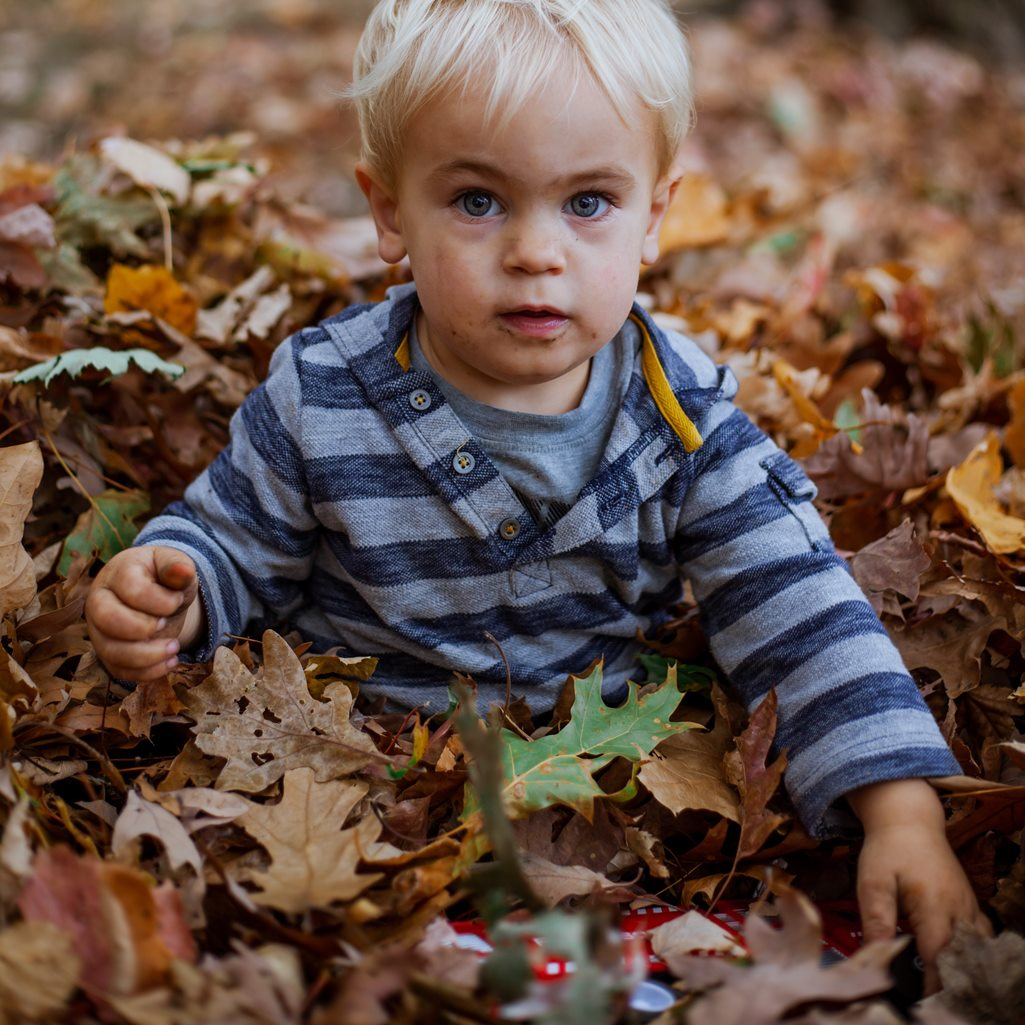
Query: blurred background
x=71 y=70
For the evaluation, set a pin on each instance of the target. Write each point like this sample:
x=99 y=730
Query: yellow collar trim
x=662 y=392
x=402 y=356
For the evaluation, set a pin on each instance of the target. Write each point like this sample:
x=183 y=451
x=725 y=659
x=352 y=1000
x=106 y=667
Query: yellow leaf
x=153 y=289
x=971 y=485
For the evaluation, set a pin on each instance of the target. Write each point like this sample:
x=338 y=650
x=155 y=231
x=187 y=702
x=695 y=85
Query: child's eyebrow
x=608 y=175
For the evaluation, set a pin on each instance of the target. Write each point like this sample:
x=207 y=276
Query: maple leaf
x=313 y=859
x=21 y=469
x=756 y=780
x=560 y=768
x=268 y=723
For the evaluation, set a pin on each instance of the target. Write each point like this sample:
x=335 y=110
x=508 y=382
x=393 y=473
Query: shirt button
x=420 y=399
x=509 y=529
x=463 y=462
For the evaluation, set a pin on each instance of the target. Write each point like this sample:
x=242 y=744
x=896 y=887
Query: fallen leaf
x=282 y=726
x=972 y=487
x=891 y=456
x=147 y=166
x=692 y=933
x=21 y=470
x=124 y=937
x=150 y=698
x=153 y=289
x=313 y=859
x=748 y=770
x=686 y=772
x=697 y=216
x=786 y=972
x=105 y=528
x=895 y=562
x=950 y=645
x=983 y=977
x=554 y=883
x=39 y=970
x=143 y=818
x=551 y=770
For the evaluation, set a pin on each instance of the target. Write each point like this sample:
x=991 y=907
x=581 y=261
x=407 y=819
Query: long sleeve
x=781 y=610
x=246 y=521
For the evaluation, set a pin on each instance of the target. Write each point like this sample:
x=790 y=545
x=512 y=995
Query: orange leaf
x=697 y=215
x=1014 y=436
x=153 y=289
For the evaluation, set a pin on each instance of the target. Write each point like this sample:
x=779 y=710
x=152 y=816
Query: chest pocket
x=789 y=483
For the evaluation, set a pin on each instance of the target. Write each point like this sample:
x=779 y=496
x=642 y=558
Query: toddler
x=509 y=449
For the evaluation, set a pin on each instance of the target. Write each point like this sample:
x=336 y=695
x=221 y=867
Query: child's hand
x=907 y=866
x=142 y=609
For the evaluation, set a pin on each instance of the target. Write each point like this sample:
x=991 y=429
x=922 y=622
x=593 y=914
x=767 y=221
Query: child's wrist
x=900 y=802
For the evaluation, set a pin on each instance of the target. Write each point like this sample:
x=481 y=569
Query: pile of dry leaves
x=247 y=841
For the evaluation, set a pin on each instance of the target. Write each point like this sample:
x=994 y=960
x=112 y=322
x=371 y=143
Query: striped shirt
x=352 y=501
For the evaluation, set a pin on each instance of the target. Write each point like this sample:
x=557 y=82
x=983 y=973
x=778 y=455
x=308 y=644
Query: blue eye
x=477 y=204
x=588 y=204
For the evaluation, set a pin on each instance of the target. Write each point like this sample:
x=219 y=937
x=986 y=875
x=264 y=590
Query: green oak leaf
x=113 y=361
x=105 y=527
x=560 y=768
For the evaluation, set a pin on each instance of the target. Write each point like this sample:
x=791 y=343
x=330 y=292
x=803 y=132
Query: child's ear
x=384 y=208
x=661 y=199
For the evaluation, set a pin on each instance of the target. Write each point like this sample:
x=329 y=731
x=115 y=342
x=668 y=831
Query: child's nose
x=535 y=248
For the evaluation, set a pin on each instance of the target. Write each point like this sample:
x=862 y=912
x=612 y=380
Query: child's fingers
x=128 y=658
x=877 y=901
x=120 y=621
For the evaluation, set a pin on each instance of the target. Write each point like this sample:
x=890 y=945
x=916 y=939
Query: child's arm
x=907 y=866
x=143 y=608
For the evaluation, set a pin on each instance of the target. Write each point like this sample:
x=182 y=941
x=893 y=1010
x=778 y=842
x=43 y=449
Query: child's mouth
x=532 y=321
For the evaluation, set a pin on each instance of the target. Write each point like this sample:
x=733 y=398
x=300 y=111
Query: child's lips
x=536 y=321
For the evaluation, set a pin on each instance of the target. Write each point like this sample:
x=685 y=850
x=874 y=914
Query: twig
x=108 y=766
x=165 y=220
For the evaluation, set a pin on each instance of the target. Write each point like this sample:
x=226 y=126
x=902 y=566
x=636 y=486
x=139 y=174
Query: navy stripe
x=841 y=705
x=271 y=440
x=236 y=492
x=757 y=507
x=766 y=666
x=398 y=564
x=753 y=587
x=339 y=478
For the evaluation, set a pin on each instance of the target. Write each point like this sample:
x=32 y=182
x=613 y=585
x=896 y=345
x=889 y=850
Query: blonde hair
x=413 y=51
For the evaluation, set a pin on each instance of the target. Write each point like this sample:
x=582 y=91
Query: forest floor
x=176 y=197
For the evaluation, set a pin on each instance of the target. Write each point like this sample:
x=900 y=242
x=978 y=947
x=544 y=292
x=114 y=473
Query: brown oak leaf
x=21 y=470
x=267 y=723
x=313 y=859
x=895 y=562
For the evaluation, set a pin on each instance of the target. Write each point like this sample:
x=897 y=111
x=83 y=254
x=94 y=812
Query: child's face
x=525 y=241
